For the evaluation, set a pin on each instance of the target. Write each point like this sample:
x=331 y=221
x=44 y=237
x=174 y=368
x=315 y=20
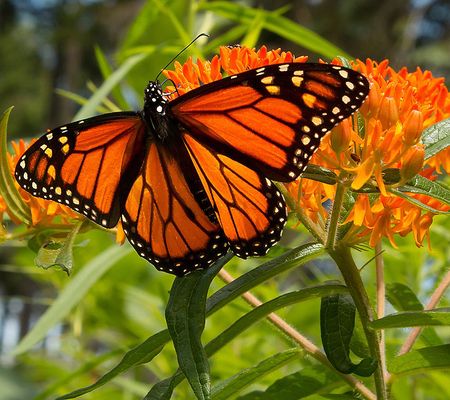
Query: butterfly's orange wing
x=86 y=165
x=167 y=219
x=249 y=207
x=273 y=118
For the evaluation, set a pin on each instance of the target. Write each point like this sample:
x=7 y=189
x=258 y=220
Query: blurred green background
x=47 y=45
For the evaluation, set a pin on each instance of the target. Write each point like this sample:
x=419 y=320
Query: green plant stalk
x=335 y=216
x=344 y=260
x=341 y=254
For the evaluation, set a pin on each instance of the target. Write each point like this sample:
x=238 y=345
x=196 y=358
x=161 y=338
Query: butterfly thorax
x=156 y=113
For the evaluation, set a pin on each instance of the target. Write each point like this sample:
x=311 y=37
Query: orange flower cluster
x=231 y=60
x=399 y=107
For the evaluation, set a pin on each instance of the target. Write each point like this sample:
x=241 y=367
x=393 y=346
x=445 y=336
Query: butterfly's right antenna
x=181 y=51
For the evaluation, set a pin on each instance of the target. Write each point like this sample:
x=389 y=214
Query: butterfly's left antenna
x=181 y=51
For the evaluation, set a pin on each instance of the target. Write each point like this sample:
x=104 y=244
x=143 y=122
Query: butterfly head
x=156 y=112
x=155 y=101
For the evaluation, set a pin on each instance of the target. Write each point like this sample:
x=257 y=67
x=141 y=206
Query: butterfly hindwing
x=164 y=221
x=249 y=207
x=86 y=164
x=272 y=118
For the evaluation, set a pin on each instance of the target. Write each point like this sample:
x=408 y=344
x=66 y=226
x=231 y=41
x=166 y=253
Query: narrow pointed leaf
x=114 y=79
x=337 y=322
x=436 y=138
x=185 y=316
x=413 y=318
x=8 y=190
x=139 y=355
x=307 y=382
x=163 y=389
x=418 y=185
x=293 y=258
x=277 y=24
x=320 y=174
x=290 y=259
x=404 y=299
x=225 y=390
x=254 y=30
x=106 y=71
x=418 y=361
x=258 y=313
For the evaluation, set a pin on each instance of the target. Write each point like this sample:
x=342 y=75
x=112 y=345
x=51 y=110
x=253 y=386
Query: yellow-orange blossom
x=400 y=105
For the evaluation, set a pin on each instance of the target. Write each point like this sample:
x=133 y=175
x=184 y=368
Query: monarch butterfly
x=192 y=177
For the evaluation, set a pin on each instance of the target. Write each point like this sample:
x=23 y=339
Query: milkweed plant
x=378 y=177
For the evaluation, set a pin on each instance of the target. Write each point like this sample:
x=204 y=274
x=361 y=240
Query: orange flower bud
x=412 y=128
x=412 y=162
x=388 y=112
x=340 y=136
x=373 y=100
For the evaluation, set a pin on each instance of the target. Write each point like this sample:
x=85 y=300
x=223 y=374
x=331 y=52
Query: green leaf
x=71 y=295
x=320 y=174
x=230 y=36
x=309 y=381
x=422 y=185
x=42 y=236
x=106 y=72
x=413 y=318
x=147 y=16
x=358 y=343
x=258 y=313
x=337 y=321
x=58 y=253
x=141 y=354
x=436 y=138
x=114 y=79
x=185 y=316
x=404 y=299
x=293 y=258
x=277 y=24
x=163 y=389
x=290 y=259
x=254 y=30
x=418 y=361
x=417 y=202
x=8 y=191
x=226 y=389
x=417 y=185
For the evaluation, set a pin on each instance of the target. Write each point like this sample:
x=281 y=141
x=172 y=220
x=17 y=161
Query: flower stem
x=335 y=216
x=381 y=295
x=344 y=260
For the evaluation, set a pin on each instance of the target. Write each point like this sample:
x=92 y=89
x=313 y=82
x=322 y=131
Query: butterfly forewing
x=86 y=165
x=273 y=118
